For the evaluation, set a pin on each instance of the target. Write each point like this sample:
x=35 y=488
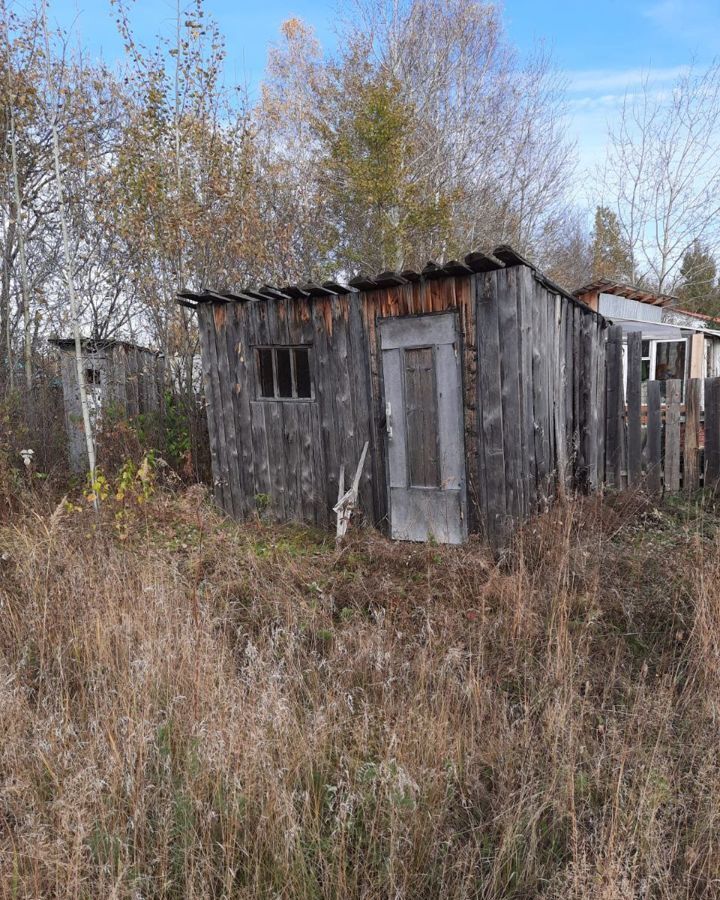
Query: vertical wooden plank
x=634 y=424
x=465 y=295
x=510 y=391
x=421 y=416
x=224 y=321
x=590 y=411
x=654 y=439
x=691 y=474
x=569 y=382
x=600 y=338
x=577 y=391
x=276 y=458
x=712 y=431
x=241 y=357
x=490 y=402
x=539 y=350
x=362 y=401
x=673 y=390
x=614 y=408
x=697 y=356
x=559 y=392
x=526 y=338
x=368 y=313
x=548 y=356
x=206 y=340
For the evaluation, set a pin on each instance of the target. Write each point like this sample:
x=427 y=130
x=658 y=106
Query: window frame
x=276 y=398
x=652 y=361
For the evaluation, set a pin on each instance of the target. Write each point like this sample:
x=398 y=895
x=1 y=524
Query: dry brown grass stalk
x=207 y=710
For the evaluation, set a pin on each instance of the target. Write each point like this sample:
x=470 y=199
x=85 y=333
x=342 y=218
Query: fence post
x=673 y=390
x=712 y=431
x=654 y=438
x=634 y=425
x=615 y=408
x=691 y=475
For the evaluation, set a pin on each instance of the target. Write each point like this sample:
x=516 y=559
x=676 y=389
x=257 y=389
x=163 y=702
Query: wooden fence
x=667 y=442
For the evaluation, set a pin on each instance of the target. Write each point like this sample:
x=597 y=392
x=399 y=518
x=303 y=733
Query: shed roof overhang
x=501 y=257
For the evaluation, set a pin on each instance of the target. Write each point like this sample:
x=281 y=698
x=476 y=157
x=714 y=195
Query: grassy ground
x=189 y=708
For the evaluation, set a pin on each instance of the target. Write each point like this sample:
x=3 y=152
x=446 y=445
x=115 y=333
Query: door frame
x=455 y=313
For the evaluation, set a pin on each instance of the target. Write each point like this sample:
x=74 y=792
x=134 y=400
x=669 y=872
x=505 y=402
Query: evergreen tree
x=611 y=254
x=699 y=289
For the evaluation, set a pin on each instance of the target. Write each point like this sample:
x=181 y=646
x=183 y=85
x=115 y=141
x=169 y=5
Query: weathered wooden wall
x=533 y=395
x=130 y=383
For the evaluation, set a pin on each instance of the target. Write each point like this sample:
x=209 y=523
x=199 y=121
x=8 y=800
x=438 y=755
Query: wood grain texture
x=634 y=424
x=653 y=478
x=712 y=431
x=691 y=467
x=673 y=391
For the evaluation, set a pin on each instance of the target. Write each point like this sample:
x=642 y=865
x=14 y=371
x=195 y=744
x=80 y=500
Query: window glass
x=265 y=370
x=302 y=372
x=284 y=373
x=669 y=360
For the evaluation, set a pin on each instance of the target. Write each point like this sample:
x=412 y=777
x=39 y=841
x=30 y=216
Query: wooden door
x=421 y=357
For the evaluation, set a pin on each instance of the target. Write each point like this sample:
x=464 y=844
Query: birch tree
x=54 y=102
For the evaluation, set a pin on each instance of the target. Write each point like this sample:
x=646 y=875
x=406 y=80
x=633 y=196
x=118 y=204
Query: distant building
x=676 y=343
x=120 y=377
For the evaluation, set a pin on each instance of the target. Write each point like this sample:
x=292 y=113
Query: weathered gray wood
x=490 y=402
x=261 y=460
x=276 y=460
x=634 y=423
x=569 y=387
x=615 y=408
x=712 y=431
x=539 y=388
x=240 y=363
x=673 y=391
x=654 y=439
x=221 y=425
x=560 y=392
x=206 y=339
x=236 y=489
x=358 y=360
x=417 y=332
x=589 y=434
x=601 y=395
x=691 y=468
x=426 y=461
x=525 y=301
x=510 y=392
x=421 y=416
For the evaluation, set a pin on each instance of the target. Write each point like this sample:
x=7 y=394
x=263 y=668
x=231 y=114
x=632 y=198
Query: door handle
x=388 y=419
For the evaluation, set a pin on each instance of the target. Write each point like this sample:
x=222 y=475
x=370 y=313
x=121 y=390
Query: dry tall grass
x=206 y=710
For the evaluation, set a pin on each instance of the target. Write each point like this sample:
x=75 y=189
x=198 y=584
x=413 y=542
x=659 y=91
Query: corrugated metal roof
x=501 y=257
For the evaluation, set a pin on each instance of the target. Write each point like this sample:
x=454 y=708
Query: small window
x=284 y=373
x=92 y=376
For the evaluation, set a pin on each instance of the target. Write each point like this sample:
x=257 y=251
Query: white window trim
x=653 y=357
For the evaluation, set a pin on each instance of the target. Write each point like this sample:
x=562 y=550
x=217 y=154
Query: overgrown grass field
x=192 y=708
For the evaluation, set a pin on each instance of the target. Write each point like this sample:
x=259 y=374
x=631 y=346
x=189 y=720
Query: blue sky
x=604 y=48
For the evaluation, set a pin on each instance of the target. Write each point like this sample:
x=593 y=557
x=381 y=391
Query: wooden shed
x=478 y=385
x=120 y=378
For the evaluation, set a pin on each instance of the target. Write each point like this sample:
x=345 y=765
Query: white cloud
x=597 y=80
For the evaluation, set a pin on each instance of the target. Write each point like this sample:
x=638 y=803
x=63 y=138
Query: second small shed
x=120 y=378
x=479 y=386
